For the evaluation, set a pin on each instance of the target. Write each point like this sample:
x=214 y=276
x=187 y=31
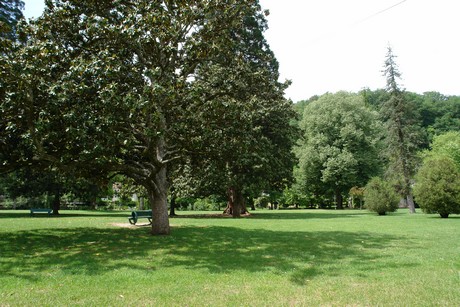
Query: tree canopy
x=339 y=149
x=246 y=144
x=107 y=86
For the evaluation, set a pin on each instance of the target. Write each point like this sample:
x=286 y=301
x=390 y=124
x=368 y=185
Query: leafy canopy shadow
x=215 y=249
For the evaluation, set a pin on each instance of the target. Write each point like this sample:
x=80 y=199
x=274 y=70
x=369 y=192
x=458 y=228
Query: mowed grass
x=273 y=258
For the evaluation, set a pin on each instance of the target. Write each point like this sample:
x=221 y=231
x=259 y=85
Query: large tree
x=249 y=151
x=339 y=149
x=104 y=86
x=246 y=146
x=403 y=133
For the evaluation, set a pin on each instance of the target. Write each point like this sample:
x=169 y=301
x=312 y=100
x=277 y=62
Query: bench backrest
x=142 y=213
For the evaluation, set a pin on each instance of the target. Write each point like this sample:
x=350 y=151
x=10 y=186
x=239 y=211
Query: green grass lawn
x=273 y=258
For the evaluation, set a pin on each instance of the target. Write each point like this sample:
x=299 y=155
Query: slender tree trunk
x=410 y=203
x=338 y=199
x=172 y=205
x=157 y=193
x=56 y=204
x=141 y=203
x=252 y=205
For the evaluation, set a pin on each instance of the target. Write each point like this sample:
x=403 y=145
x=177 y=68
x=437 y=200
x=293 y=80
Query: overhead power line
x=379 y=12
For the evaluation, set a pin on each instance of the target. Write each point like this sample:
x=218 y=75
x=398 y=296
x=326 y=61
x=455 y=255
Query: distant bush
x=208 y=204
x=22 y=202
x=262 y=201
x=380 y=197
x=437 y=186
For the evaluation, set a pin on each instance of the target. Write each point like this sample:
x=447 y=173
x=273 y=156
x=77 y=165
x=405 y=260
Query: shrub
x=380 y=197
x=437 y=186
x=262 y=201
x=207 y=204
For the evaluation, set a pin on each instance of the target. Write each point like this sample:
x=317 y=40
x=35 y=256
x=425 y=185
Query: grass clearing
x=282 y=258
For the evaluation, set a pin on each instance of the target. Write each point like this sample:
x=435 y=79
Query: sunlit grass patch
x=304 y=257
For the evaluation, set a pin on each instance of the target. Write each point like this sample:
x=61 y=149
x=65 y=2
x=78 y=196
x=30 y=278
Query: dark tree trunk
x=56 y=204
x=157 y=193
x=236 y=204
x=252 y=205
x=172 y=204
x=338 y=199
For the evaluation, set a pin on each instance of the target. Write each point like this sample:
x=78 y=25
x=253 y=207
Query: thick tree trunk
x=338 y=199
x=235 y=205
x=410 y=203
x=157 y=193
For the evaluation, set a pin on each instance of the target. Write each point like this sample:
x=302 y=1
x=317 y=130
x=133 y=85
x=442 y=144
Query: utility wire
x=336 y=32
x=379 y=12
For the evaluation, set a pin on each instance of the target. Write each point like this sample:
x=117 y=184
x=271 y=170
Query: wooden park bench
x=135 y=215
x=40 y=210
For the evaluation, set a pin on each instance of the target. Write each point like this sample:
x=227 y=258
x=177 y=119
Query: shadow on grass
x=284 y=214
x=307 y=214
x=301 y=256
x=451 y=217
x=11 y=214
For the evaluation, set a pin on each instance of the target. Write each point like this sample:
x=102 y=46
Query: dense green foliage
x=51 y=185
x=380 y=196
x=437 y=186
x=439 y=113
x=437 y=183
x=339 y=148
x=436 y=112
x=447 y=145
x=245 y=147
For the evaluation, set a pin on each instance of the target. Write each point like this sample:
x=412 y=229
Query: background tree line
x=350 y=138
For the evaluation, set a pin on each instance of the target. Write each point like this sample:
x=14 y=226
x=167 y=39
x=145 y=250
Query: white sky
x=331 y=45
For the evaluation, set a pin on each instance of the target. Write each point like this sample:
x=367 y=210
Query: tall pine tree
x=403 y=132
